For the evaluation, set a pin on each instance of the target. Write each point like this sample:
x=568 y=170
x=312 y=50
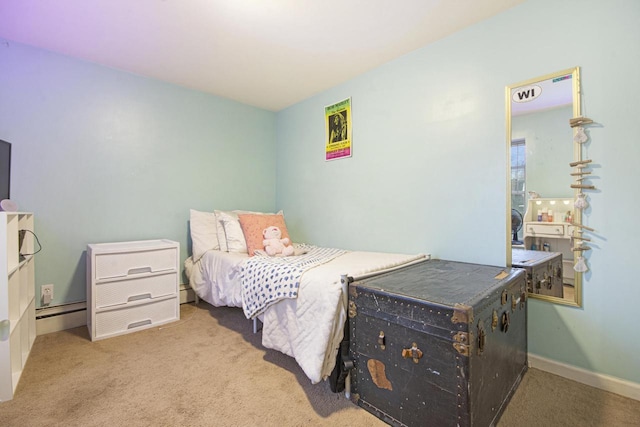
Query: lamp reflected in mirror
x=541 y=211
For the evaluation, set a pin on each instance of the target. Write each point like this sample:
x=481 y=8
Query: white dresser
x=131 y=286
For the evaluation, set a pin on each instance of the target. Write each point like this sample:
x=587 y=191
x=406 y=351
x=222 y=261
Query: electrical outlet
x=46 y=293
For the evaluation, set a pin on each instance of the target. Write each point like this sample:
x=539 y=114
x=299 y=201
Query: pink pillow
x=253 y=225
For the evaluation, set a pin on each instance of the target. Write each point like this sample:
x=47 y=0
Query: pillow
x=229 y=231
x=234 y=239
x=204 y=235
x=220 y=230
x=253 y=225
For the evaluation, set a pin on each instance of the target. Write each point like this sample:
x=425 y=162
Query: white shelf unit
x=131 y=286
x=17 y=299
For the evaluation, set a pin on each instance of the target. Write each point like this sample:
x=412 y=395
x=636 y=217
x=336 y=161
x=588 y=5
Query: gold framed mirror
x=540 y=200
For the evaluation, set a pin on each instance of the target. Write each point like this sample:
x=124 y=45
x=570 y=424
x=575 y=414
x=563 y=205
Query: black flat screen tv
x=5 y=169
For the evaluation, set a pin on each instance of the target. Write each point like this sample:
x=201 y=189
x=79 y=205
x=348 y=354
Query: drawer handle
x=139 y=297
x=138 y=324
x=138 y=270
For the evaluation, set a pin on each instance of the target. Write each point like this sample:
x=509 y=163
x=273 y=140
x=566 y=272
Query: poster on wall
x=337 y=119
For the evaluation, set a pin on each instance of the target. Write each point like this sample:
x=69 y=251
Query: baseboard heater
x=60 y=317
x=58 y=310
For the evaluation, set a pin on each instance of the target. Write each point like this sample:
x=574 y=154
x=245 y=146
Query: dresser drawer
x=135 y=289
x=137 y=317
x=123 y=264
x=545 y=229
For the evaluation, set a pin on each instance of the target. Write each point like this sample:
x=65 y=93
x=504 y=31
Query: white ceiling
x=266 y=53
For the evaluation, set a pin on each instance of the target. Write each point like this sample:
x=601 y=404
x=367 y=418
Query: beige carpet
x=209 y=369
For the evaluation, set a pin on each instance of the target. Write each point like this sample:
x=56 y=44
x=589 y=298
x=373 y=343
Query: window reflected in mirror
x=518 y=188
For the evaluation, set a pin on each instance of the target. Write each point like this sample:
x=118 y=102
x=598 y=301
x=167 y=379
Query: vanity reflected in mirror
x=541 y=208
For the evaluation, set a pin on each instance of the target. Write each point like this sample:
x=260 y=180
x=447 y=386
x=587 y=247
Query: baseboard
x=186 y=294
x=605 y=382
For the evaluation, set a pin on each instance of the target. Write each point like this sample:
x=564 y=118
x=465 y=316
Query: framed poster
x=337 y=119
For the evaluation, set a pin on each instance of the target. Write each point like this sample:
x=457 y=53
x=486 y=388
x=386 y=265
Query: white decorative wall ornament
x=580 y=137
x=581 y=202
x=581 y=265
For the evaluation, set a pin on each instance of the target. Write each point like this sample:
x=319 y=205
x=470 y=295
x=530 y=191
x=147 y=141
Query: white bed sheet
x=310 y=327
x=215 y=278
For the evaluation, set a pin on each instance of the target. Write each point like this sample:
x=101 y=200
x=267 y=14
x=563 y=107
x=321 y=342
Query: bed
x=308 y=325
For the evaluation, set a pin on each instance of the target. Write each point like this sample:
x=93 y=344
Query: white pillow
x=234 y=236
x=222 y=239
x=204 y=234
x=230 y=233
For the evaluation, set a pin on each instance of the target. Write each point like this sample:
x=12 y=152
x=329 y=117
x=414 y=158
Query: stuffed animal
x=273 y=244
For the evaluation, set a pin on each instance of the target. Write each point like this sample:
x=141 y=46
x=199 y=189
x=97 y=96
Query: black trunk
x=544 y=271
x=439 y=343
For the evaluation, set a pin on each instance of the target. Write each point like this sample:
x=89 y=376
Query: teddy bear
x=273 y=244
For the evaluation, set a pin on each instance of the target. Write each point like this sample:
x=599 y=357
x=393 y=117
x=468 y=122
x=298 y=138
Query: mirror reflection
x=541 y=206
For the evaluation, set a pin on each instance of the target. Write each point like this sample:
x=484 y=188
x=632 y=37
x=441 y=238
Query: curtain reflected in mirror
x=541 y=207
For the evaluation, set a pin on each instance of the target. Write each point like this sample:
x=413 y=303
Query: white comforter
x=310 y=327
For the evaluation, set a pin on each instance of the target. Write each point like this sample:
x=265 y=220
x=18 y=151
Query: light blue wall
x=101 y=155
x=429 y=168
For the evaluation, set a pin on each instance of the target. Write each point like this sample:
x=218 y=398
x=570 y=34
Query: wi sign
x=527 y=93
